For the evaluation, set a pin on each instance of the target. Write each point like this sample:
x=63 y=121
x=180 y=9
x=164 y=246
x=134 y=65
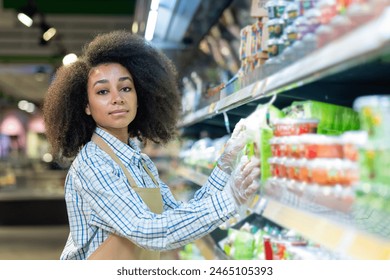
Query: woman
x=121 y=89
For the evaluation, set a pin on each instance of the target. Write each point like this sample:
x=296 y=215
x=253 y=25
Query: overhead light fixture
x=152 y=20
x=69 y=59
x=26 y=13
x=48 y=32
x=134 y=27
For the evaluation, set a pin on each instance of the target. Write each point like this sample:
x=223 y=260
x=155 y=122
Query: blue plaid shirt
x=100 y=201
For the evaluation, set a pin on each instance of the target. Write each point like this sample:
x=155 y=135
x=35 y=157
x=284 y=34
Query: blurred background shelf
x=192 y=175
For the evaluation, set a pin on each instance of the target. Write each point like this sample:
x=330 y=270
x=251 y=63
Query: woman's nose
x=117 y=98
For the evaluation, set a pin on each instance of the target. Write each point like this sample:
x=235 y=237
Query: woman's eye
x=126 y=89
x=102 y=92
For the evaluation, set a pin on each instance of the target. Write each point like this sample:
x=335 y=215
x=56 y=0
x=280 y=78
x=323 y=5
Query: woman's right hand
x=245 y=180
x=233 y=146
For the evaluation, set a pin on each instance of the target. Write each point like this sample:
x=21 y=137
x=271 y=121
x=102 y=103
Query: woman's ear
x=87 y=110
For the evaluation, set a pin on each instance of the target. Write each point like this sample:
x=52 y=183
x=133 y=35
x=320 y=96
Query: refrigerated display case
x=350 y=65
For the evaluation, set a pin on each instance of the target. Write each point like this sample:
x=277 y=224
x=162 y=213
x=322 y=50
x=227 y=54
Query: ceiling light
x=25 y=19
x=134 y=27
x=69 y=58
x=47 y=157
x=22 y=104
x=154 y=5
x=26 y=14
x=151 y=25
x=48 y=32
x=152 y=20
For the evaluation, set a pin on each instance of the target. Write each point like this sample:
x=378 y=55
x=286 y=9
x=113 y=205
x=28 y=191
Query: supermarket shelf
x=331 y=59
x=201 y=114
x=192 y=175
x=335 y=236
x=24 y=194
x=29 y=185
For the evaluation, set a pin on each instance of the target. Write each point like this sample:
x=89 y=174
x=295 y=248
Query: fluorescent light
x=151 y=25
x=30 y=107
x=69 y=58
x=154 y=5
x=49 y=34
x=26 y=106
x=152 y=20
x=23 y=105
x=47 y=157
x=134 y=27
x=25 y=19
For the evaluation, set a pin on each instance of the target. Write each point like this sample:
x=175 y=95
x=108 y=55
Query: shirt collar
x=127 y=153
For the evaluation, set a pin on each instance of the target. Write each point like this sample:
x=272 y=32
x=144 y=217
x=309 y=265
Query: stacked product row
x=261 y=239
x=303 y=158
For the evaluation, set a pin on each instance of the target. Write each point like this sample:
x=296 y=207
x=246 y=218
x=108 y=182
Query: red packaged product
x=275 y=146
x=268 y=253
x=282 y=167
x=350 y=174
x=303 y=174
x=288 y=126
x=282 y=146
x=274 y=164
x=330 y=172
x=292 y=170
x=321 y=146
x=352 y=141
x=293 y=146
x=278 y=167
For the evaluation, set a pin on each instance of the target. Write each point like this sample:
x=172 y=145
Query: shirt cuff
x=218 y=178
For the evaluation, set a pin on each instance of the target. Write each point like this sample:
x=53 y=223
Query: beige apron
x=120 y=248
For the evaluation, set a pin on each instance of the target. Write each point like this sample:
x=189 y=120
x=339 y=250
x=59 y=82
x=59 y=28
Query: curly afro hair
x=68 y=127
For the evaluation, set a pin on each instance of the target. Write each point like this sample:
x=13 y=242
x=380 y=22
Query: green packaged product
x=259 y=134
x=259 y=245
x=334 y=119
x=382 y=165
x=265 y=152
x=374 y=112
x=367 y=172
x=243 y=246
x=240 y=244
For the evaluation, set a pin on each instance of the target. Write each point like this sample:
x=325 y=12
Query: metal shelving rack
x=335 y=63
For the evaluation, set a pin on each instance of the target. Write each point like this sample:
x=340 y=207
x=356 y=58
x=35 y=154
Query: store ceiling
x=26 y=67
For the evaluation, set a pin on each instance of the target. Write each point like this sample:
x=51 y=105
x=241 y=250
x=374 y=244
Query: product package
x=259 y=135
x=333 y=119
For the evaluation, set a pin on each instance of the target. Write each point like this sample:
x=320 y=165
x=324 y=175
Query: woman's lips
x=118 y=112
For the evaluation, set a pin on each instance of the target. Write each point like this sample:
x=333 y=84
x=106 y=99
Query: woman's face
x=112 y=99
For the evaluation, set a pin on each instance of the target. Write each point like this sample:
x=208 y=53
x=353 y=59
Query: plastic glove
x=245 y=181
x=233 y=146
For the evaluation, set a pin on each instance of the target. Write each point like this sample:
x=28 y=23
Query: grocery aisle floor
x=32 y=242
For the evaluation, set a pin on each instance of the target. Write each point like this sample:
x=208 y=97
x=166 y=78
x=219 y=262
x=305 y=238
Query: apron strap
x=104 y=146
x=149 y=173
